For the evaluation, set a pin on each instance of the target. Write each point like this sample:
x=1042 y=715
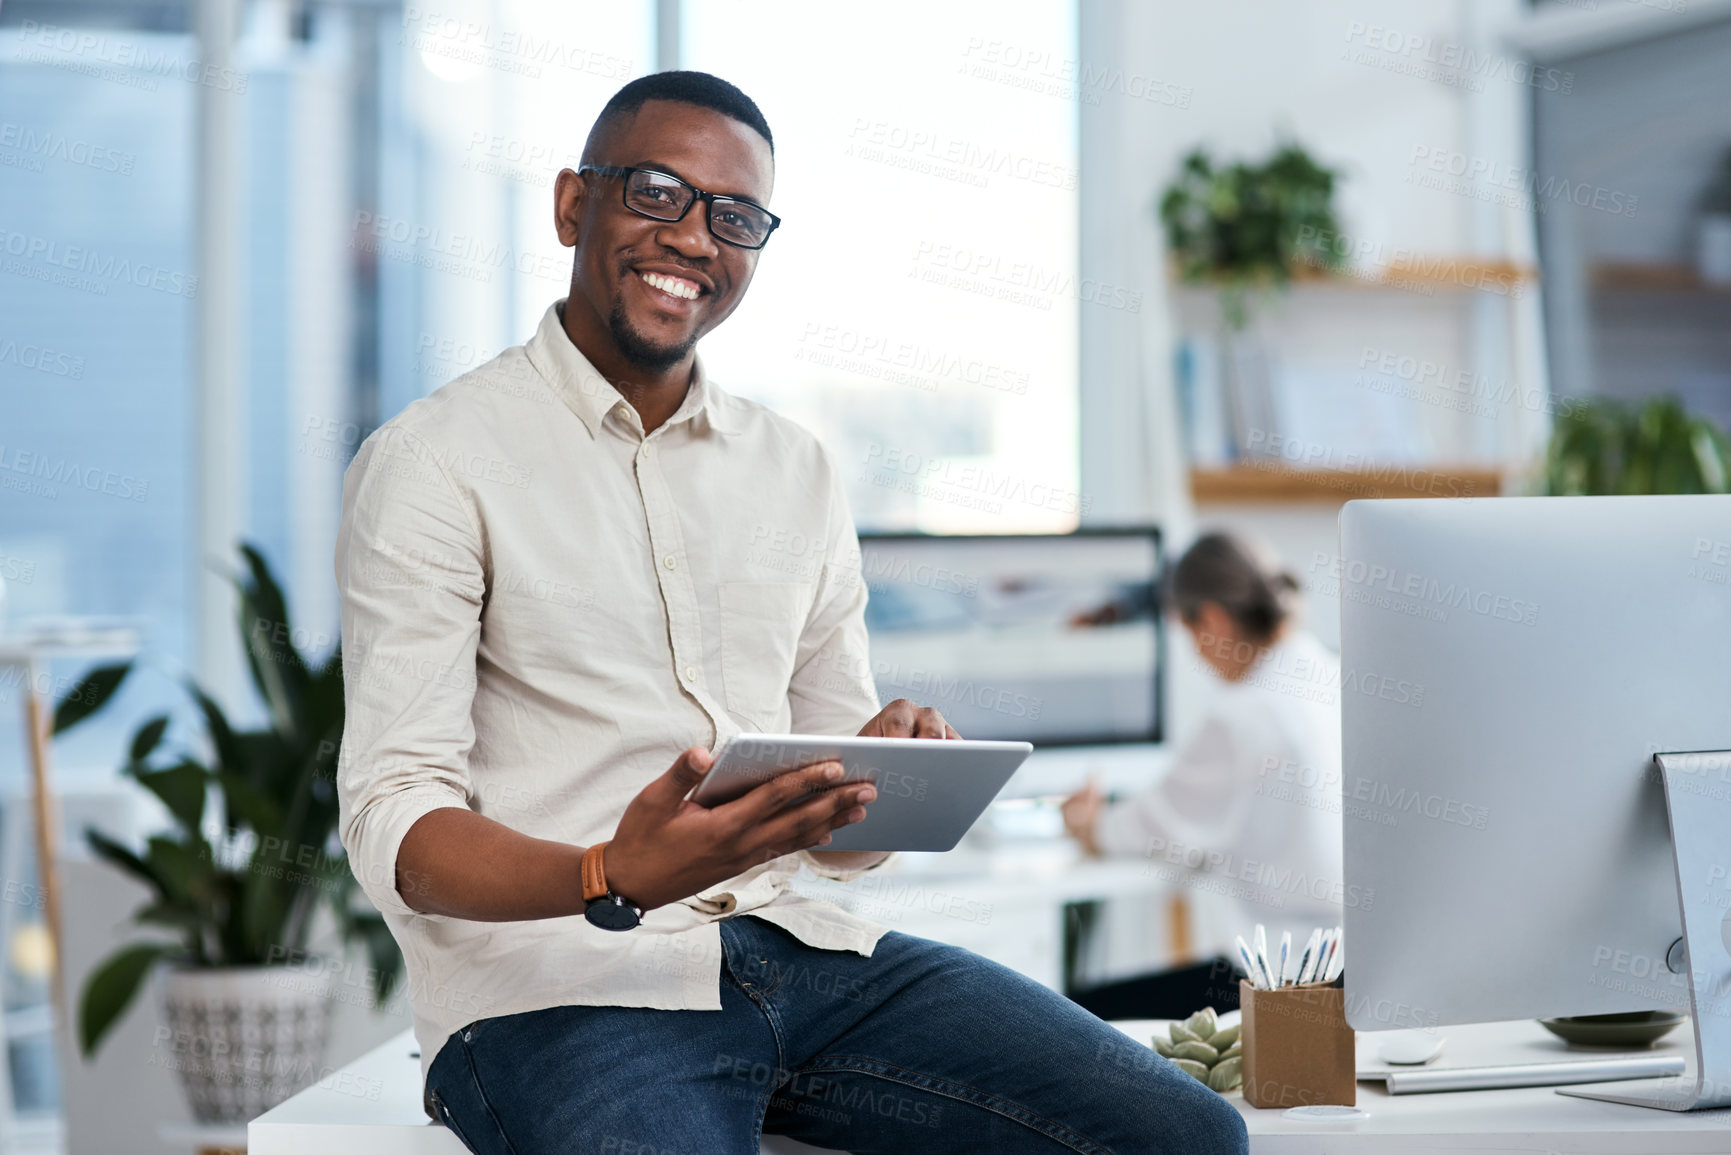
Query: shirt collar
x=591 y=396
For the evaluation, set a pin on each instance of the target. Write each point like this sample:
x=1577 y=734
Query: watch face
x=612 y=913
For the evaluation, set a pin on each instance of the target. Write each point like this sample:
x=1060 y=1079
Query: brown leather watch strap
x=594 y=878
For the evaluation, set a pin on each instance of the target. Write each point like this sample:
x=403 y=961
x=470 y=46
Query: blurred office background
x=237 y=235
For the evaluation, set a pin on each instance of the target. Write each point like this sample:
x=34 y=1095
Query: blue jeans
x=923 y=1047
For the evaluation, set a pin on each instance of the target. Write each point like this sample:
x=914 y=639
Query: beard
x=639 y=349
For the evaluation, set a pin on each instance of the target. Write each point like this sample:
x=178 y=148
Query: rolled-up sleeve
x=410 y=572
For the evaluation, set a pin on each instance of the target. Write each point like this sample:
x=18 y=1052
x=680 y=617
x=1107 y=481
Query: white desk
x=373 y=1107
x=1524 y=1119
x=1005 y=903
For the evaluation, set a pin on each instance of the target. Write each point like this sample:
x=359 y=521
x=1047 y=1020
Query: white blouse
x=1248 y=817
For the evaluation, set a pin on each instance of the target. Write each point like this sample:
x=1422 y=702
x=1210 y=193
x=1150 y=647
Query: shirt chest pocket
x=760 y=627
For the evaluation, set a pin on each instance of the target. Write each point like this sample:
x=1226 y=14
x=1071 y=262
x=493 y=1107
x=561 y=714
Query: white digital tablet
x=930 y=791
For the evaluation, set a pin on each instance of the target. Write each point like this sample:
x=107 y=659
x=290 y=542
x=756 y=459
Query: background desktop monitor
x=1056 y=639
x=1509 y=668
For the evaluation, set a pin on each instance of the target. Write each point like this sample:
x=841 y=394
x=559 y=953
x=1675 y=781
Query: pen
x=1324 y=953
x=1260 y=941
x=1337 y=963
x=1249 y=963
x=1285 y=952
x=1307 y=961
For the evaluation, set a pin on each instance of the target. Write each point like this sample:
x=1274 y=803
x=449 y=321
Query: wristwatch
x=602 y=907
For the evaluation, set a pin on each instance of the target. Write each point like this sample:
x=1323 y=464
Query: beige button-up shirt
x=541 y=607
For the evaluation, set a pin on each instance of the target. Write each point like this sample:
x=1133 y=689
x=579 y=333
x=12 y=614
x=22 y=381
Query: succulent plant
x=1200 y=1047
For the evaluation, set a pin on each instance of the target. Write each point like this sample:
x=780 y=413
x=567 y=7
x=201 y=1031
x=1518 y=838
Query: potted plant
x=1246 y=226
x=235 y=883
x=1604 y=446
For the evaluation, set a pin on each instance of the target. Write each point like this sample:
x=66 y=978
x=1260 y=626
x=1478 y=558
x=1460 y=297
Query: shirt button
x=670 y=561
x=646 y=449
x=691 y=673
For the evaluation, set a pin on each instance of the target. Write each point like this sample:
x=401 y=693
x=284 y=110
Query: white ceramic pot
x=243 y=1039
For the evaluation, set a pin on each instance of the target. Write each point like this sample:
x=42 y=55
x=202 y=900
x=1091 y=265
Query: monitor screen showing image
x=1056 y=639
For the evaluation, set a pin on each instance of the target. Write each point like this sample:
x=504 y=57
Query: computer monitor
x=1053 y=638
x=1511 y=667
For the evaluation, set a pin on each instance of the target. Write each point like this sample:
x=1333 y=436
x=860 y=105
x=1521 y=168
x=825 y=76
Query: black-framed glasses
x=664 y=197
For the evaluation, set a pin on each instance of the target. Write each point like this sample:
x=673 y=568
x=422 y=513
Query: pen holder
x=1298 y=1050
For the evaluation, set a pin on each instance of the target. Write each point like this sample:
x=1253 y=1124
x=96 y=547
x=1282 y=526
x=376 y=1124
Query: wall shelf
x=1280 y=482
x=1426 y=274
x=1651 y=278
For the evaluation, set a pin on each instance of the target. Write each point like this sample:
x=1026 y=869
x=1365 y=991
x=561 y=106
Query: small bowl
x=1624 y=1031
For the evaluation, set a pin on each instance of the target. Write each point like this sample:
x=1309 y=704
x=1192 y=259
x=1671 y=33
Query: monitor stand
x=1698 y=799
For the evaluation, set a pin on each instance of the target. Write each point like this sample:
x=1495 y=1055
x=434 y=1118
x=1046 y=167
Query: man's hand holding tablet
x=668 y=847
x=900 y=719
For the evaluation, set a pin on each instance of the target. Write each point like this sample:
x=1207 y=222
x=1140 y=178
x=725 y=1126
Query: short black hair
x=699 y=88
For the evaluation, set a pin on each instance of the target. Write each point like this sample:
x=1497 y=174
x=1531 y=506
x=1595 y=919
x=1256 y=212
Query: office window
x=479 y=114
x=96 y=299
x=917 y=309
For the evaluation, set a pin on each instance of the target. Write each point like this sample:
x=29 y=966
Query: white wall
x=1247 y=72
x=1235 y=75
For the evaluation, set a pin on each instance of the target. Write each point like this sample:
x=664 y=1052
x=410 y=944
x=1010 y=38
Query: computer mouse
x=1409 y=1048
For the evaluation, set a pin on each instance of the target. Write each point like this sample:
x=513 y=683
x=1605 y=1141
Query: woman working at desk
x=1251 y=805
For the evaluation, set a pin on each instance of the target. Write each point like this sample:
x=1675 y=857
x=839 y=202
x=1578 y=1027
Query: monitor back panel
x=1509 y=667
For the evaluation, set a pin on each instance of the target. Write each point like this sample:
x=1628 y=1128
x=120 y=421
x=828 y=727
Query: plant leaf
x=189 y=921
x=89 y=695
x=328 y=678
x=216 y=723
x=247 y=804
x=119 y=856
x=168 y=914
x=278 y=670
x=149 y=736
x=1709 y=459
x=266 y=901
x=1603 y=446
x=181 y=868
x=267 y=760
x=182 y=790
x=111 y=988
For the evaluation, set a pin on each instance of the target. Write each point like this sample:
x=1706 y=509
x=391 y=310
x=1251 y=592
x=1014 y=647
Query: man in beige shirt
x=583 y=562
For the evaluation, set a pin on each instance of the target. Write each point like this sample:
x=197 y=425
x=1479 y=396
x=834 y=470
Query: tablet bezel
x=978 y=773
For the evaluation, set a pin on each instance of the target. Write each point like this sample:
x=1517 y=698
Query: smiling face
x=647 y=290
